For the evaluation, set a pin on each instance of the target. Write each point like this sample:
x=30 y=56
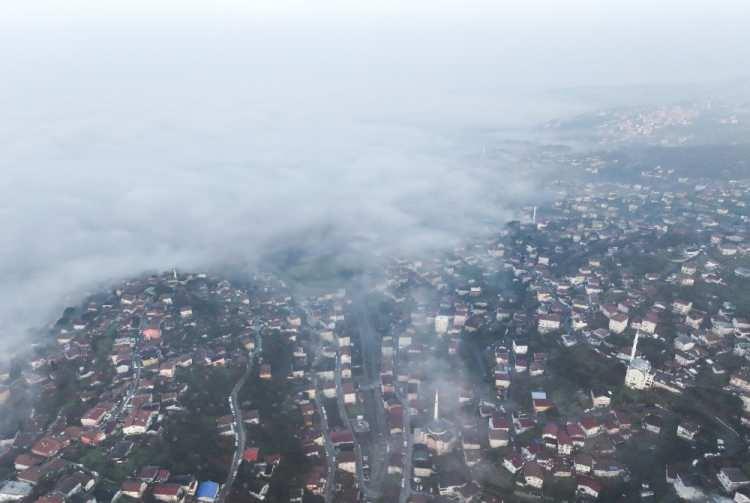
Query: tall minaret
x=437 y=397
x=635 y=345
x=533 y=216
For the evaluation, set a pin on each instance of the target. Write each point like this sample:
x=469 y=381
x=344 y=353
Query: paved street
x=329 y=447
x=239 y=427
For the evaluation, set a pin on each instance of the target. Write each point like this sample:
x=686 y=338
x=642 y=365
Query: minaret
x=635 y=345
x=533 y=216
x=437 y=397
x=174 y=273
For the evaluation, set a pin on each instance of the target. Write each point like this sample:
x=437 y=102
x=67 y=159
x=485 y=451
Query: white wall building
x=442 y=324
x=639 y=374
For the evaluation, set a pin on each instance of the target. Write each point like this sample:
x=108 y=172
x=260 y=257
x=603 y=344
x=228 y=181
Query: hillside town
x=544 y=362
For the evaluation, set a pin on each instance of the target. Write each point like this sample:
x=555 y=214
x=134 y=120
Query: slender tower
x=533 y=216
x=635 y=346
x=435 y=413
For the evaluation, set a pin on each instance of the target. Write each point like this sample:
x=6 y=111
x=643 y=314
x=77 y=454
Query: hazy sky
x=529 y=42
x=145 y=134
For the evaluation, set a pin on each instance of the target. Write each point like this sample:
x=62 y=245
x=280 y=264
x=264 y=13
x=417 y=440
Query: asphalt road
x=330 y=449
x=239 y=427
x=371 y=353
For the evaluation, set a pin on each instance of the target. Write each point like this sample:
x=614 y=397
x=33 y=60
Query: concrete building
x=439 y=435
x=639 y=375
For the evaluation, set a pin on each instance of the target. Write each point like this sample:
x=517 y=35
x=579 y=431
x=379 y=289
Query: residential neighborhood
x=544 y=362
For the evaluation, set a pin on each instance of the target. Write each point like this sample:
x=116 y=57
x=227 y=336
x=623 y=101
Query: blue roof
x=208 y=489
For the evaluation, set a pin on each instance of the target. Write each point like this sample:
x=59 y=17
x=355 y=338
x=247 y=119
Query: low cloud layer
x=132 y=143
x=103 y=180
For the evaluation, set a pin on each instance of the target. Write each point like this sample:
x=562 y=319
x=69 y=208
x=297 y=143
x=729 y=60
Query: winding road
x=239 y=427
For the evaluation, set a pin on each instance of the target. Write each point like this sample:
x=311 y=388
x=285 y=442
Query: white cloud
x=145 y=134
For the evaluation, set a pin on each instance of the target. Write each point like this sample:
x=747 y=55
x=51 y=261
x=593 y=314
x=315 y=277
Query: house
x=686 y=358
x=742 y=495
x=95 y=416
x=225 y=425
x=589 y=487
x=395 y=419
x=522 y=423
x=579 y=322
x=207 y=492
x=253 y=417
x=600 y=397
x=251 y=455
x=607 y=469
x=694 y=319
x=590 y=426
x=618 y=323
x=345 y=354
x=265 y=372
x=687 y=430
x=683 y=343
x=470 y=440
x=576 y=434
x=562 y=468
x=93 y=437
x=38 y=473
x=315 y=482
x=653 y=423
x=741 y=379
x=138 y=422
x=26 y=461
x=148 y=474
x=341 y=438
x=167 y=369
x=533 y=475
x=549 y=435
x=732 y=479
x=502 y=356
x=133 y=488
x=75 y=483
x=520 y=345
x=350 y=397
x=450 y=482
x=347 y=462
x=14 y=491
x=609 y=310
x=502 y=378
x=53 y=497
x=395 y=463
x=168 y=492
x=513 y=463
x=682 y=307
x=521 y=365
x=649 y=323
x=536 y=369
x=542 y=405
x=583 y=463
x=549 y=322
x=120 y=451
x=152 y=331
x=442 y=324
x=47 y=447
x=498 y=438
x=564 y=443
